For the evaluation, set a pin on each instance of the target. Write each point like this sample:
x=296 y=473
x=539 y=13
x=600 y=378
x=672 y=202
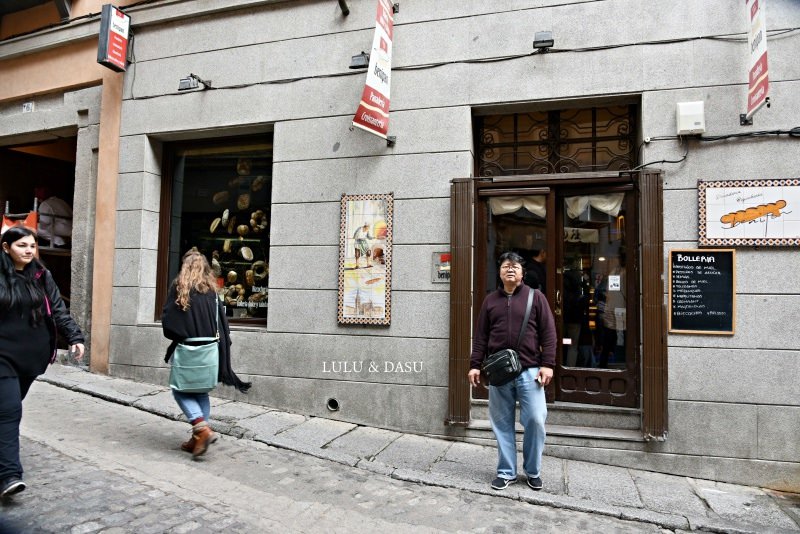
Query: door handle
x=557 y=310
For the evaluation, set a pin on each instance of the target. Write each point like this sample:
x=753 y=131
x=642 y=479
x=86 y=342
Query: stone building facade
x=477 y=116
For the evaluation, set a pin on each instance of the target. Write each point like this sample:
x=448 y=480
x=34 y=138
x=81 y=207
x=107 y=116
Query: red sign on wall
x=373 y=110
x=758 y=75
x=112 y=46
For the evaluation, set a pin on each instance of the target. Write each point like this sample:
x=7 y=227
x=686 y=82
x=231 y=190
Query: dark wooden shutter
x=461 y=226
x=654 y=330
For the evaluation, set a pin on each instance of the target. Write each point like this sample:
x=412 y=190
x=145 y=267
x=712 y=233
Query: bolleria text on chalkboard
x=701 y=291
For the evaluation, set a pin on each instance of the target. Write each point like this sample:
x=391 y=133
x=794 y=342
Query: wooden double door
x=579 y=239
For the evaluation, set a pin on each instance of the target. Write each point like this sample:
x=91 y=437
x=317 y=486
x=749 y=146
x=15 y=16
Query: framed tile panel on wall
x=365 y=259
x=762 y=213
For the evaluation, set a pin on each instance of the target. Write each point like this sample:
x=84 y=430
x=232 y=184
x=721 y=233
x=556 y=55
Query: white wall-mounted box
x=691 y=118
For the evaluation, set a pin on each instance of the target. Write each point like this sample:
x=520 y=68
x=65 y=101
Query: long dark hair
x=17 y=291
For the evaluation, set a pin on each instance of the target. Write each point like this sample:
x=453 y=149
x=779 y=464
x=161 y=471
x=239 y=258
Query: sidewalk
x=671 y=502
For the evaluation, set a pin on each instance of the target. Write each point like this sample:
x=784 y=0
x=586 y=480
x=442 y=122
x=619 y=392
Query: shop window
x=216 y=198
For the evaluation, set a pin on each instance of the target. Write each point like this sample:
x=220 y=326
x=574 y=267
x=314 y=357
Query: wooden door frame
x=653 y=348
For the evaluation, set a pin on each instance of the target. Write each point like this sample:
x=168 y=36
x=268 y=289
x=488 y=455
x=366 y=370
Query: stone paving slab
x=477 y=466
x=316 y=432
x=271 y=423
x=742 y=504
x=413 y=452
x=364 y=442
x=233 y=412
x=162 y=404
x=312 y=450
x=789 y=503
x=602 y=483
x=117 y=391
x=668 y=493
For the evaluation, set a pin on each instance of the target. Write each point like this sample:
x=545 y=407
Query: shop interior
x=40 y=179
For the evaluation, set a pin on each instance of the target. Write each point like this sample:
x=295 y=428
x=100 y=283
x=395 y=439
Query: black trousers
x=12 y=390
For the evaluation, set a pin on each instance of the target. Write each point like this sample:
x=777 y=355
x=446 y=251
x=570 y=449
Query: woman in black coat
x=31 y=310
x=193 y=310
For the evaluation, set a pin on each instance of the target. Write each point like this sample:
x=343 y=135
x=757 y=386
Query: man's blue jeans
x=533 y=413
x=193 y=405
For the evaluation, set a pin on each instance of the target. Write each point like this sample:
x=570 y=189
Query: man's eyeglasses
x=511 y=267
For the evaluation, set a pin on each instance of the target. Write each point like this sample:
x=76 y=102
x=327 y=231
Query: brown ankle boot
x=188 y=446
x=203 y=437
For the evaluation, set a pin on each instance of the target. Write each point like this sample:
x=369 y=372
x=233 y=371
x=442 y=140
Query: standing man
x=499 y=324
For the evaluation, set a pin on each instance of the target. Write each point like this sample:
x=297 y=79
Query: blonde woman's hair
x=195 y=275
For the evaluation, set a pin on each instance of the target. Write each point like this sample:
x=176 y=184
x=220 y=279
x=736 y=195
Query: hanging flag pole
x=372 y=114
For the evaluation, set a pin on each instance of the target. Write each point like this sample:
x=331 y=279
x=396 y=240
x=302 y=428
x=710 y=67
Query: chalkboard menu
x=701 y=291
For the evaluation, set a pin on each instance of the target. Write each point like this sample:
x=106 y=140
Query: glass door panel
x=597 y=355
x=517 y=224
x=513 y=223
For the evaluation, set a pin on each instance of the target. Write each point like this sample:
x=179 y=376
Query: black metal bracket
x=744 y=121
x=391 y=140
x=396 y=8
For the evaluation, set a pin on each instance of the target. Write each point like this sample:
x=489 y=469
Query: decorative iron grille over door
x=560 y=141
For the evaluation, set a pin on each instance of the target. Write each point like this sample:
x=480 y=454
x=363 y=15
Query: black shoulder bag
x=503 y=366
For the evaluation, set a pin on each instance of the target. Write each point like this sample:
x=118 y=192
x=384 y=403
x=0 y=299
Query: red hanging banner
x=758 y=75
x=373 y=110
x=112 y=45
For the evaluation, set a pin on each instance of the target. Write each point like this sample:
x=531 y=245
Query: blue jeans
x=533 y=413
x=193 y=405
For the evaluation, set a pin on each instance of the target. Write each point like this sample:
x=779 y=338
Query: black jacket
x=27 y=346
x=499 y=324
x=200 y=320
x=58 y=317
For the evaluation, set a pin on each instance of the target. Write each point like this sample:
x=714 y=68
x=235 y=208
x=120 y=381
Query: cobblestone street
x=97 y=466
x=65 y=493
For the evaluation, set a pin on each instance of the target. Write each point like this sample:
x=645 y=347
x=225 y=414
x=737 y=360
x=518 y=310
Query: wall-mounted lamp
x=542 y=41
x=344 y=8
x=359 y=61
x=193 y=81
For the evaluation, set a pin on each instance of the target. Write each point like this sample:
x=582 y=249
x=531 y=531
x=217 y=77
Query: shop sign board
x=373 y=110
x=112 y=46
x=702 y=287
x=762 y=213
x=758 y=78
x=441 y=268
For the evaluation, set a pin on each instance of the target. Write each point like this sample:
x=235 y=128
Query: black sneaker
x=502 y=483
x=535 y=483
x=11 y=486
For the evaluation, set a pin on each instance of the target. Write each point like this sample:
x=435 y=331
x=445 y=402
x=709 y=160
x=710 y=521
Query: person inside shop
x=31 y=311
x=535 y=274
x=576 y=310
x=193 y=310
x=55 y=218
x=499 y=323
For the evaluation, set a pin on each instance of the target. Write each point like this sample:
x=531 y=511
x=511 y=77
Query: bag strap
x=39 y=278
x=216 y=308
x=527 y=316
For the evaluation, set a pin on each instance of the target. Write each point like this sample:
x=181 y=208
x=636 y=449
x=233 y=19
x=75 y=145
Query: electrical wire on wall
x=682 y=158
x=792 y=133
x=496 y=59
